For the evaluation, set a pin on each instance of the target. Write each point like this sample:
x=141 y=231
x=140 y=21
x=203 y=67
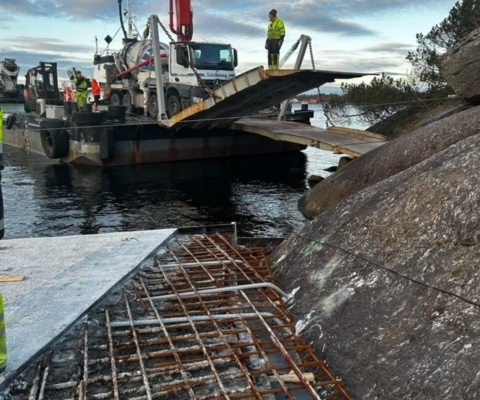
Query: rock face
x=387 y=282
x=462 y=62
x=393 y=157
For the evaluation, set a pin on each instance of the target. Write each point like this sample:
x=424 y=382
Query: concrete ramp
x=340 y=140
x=251 y=92
x=62 y=277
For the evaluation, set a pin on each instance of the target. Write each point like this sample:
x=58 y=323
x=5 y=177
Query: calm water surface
x=45 y=198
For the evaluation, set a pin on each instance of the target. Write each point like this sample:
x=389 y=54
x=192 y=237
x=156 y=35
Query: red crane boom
x=184 y=27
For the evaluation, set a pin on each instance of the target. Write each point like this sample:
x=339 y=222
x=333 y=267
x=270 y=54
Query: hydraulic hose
x=121 y=19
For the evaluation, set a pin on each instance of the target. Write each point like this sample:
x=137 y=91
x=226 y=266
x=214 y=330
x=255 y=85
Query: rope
x=141 y=118
x=409 y=101
x=146 y=119
x=378 y=265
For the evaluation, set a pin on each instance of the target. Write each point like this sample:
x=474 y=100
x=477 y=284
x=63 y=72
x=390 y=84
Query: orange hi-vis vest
x=96 y=88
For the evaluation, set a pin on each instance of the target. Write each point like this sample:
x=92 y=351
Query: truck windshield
x=213 y=56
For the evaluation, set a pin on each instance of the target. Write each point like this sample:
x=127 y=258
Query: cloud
x=29 y=51
x=330 y=16
x=52 y=46
x=390 y=48
x=68 y=28
x=76 y=10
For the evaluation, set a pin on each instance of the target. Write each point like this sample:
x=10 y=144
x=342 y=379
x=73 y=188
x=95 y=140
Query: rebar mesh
x=164 y=335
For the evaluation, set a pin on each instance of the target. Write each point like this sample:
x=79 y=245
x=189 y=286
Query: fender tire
x=10 y=121
x=55 y=140
x=116 y=112
x=174 y=105
x=87 y=118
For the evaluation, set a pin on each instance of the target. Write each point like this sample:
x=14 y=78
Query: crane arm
x=303 y=41
x=184 y=26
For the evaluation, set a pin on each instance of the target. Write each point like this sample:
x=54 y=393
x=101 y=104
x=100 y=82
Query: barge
x=204 y=130
x=113 y=142
x=196 y=129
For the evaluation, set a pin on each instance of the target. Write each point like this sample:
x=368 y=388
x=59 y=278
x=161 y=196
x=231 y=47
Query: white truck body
x=189 y=71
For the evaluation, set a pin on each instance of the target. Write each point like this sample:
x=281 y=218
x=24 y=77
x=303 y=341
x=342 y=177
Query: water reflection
x=48 y=199
x=44 y=198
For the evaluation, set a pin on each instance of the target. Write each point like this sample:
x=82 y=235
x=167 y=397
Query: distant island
x=312 y=98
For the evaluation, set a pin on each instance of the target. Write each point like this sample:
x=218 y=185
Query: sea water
x=46 y=198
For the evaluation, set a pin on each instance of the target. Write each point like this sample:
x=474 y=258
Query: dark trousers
x=273 y=53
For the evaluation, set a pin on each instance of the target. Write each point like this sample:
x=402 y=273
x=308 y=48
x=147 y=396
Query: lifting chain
x=328 y=120
x=311 y=54
x=200 y=81
x=165 y=30
x=313 y=64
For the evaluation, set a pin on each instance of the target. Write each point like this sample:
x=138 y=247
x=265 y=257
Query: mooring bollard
x=3 y=338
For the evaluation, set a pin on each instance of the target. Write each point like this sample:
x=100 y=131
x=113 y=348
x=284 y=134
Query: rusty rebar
x=116 y=395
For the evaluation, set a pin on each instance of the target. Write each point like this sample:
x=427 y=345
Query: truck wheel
x=55 y=141
x=127 y=103
x=174 y=105
x=152 y=106
x=116 y=99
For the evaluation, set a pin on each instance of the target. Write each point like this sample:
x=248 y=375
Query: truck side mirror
x=235 y=58
x=182 y=56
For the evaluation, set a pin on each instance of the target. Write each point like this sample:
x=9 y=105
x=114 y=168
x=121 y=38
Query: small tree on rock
x=463 y=18
x=385 y=96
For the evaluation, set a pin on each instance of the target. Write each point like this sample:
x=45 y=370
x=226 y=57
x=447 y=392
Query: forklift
x=41 y=82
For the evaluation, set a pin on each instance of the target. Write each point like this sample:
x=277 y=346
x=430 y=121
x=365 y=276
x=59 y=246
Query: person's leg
x=82 y=100
x=275 y=54
x=269 y=55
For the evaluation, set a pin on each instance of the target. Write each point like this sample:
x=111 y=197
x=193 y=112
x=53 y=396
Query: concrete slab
x=64 y=277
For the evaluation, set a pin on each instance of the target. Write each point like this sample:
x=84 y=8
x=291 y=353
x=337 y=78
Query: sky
x=368 y=36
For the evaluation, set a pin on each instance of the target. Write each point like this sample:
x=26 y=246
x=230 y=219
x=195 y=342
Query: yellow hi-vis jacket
x=276 y=29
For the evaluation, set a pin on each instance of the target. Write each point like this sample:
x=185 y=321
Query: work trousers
x=81 y=100
x=273 y=53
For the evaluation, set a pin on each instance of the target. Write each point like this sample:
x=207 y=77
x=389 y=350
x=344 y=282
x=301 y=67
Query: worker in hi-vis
x=275 y=36
x=81 y=86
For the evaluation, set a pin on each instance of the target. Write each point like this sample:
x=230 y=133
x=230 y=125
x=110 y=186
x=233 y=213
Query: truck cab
x=194 y=69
